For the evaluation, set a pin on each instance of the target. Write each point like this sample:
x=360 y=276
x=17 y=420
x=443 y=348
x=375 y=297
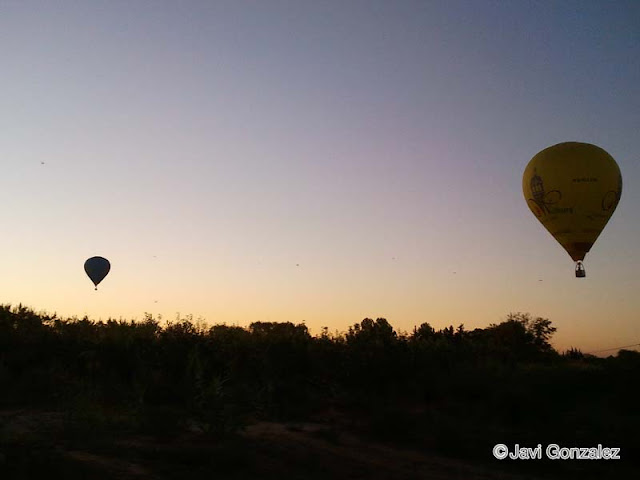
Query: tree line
x=451 y=389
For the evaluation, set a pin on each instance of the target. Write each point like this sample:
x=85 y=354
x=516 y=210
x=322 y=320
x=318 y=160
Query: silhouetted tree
x=423 y=332
x=573 y=354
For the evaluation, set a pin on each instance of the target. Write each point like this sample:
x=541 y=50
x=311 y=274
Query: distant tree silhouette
x=519 y=337
x=540 y=328
x=372 y=334
x=573 y=354
x=424 y=332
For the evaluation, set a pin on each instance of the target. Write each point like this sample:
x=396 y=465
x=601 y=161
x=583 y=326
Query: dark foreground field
x=40 y=448
x=118 y=400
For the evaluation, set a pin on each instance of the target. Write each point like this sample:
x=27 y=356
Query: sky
x=316 y=161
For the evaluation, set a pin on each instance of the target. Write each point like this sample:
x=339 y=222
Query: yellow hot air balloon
x=573 y=189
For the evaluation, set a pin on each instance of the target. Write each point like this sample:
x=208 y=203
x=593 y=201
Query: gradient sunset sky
x=314 y=160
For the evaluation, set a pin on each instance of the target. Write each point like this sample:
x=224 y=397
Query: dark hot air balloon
x=97 y=268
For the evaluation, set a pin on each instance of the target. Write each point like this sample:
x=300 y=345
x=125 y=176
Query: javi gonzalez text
x=554 y=451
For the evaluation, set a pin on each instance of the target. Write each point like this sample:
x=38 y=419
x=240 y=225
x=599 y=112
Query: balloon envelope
x=573 y=189
x=97 y=268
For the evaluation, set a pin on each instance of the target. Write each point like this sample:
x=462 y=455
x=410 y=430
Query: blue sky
x=317 y=161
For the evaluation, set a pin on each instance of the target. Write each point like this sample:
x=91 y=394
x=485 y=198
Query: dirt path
x=328 y=454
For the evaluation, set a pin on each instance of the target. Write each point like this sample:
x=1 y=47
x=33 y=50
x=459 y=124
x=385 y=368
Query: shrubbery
x=452 y=389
